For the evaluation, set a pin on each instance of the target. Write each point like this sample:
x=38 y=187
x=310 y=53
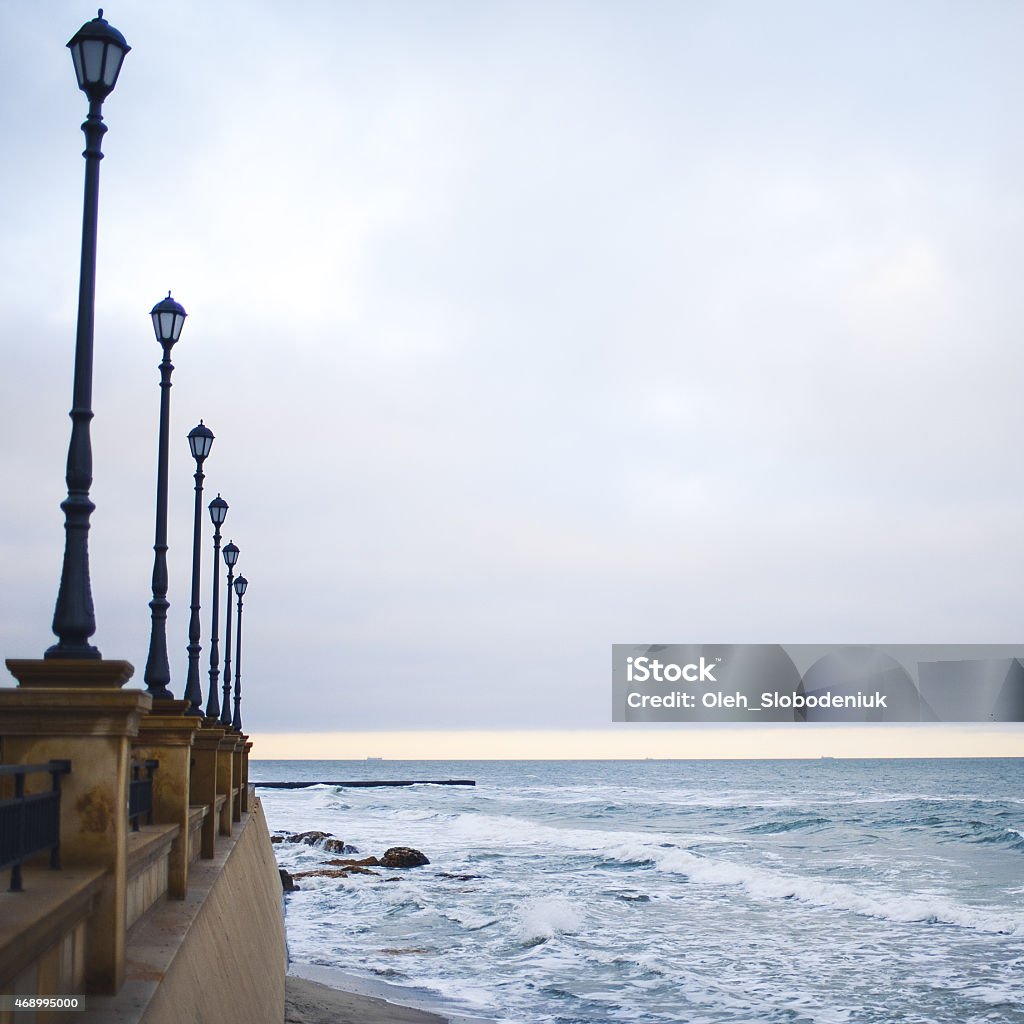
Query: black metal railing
x=30 y=824
x=140 y=793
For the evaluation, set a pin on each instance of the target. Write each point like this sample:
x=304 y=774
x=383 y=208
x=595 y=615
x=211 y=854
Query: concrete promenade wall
x=217 y=956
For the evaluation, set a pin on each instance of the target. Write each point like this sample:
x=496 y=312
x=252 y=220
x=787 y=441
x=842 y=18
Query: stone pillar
x=245 y=773
x=203 y=790
x=225 y=776
x=168 y=739
x=236 y=776
x=75 y=710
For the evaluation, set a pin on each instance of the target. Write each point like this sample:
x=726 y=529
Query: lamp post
x=230 y=558
x=236 y=723
x=168 y=319
x=97 y=50
x=200 y=440
x=218 y=513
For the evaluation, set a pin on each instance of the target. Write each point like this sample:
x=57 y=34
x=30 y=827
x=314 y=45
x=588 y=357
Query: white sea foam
x=543 y=918
x=506 y=832
x=993 y=995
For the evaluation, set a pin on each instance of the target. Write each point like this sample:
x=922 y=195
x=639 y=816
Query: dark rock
x=325 y=840
x=403 y=857
x=287 y=881
x=337 y=846
x=309 y=838
x=344 y=862
x=354 y=869
x=458 y=878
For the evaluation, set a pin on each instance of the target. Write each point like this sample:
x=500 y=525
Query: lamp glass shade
x=230 y=554
x=240 y=584
x=200 y=440
x=76 y=57
x=218 y=510
x=97 y=51
x=92 y=59
x=168 y=319
x=112 y=65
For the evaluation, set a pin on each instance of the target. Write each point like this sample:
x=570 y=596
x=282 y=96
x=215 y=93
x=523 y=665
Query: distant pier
x=368 y=783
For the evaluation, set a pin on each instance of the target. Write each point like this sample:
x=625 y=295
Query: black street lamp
x=97 y=50
x=168 y=319
x=218 y=513
x=230 y=558
x=236 y=723
x=200 y=440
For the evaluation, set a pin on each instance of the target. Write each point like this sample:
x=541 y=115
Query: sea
x=707 y=892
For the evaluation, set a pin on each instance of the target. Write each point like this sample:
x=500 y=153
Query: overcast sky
x=525 y=328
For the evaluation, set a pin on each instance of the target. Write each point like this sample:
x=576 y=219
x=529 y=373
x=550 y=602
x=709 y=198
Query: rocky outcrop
x=366 y=862
x=325 y=840
x=403 y=857
x=343 y=867
x=323 y=873
x=309 y=838
x=352 y=869
x=337 y=846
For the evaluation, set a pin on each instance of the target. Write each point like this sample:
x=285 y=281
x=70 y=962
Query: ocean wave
x=993 y=835
x=796 y=825
x=507 y=833
x=899 y=908
x=469 y=920
x=969 y=830
x=541 y=919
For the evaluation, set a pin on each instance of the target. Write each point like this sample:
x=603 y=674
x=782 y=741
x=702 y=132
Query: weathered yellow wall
x=145 y=887
x=60 y=969
x=231 y=965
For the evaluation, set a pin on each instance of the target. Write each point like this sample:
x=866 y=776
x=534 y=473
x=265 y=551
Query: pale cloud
x=527 y=329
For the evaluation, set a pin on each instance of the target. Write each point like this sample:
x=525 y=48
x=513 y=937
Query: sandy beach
x=308 y=1002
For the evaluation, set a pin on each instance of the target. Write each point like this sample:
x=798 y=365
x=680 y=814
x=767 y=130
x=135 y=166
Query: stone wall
x=231 y=967
x=219 y=954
